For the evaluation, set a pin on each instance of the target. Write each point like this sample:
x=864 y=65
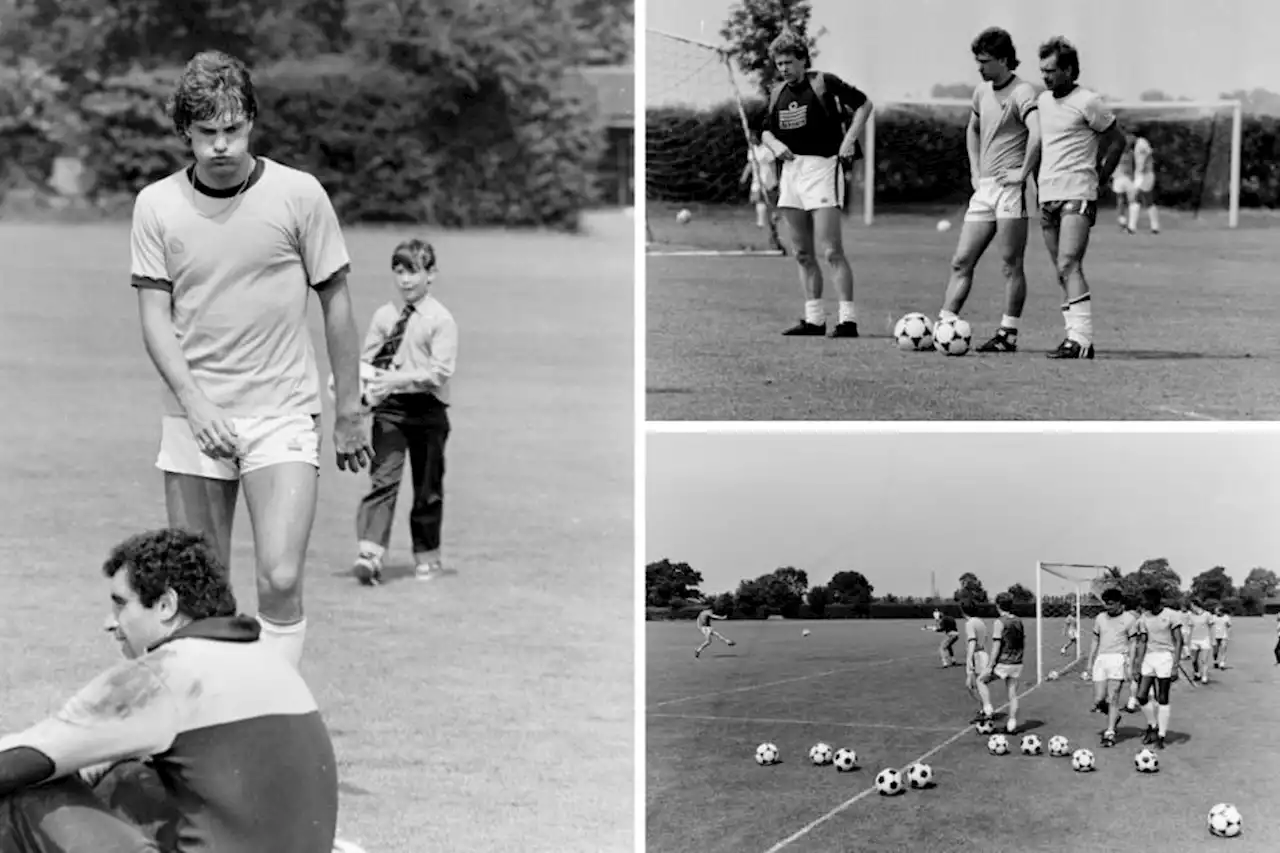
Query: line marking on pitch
x=1186 y=413
x=812 y=825
x=749 y=687
x=837 y=724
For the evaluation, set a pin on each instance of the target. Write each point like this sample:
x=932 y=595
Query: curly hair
x=1067 y=56
x=997 y=44
x=415 y=256
x=789 y=43
x=175 y=559
x=212 y=85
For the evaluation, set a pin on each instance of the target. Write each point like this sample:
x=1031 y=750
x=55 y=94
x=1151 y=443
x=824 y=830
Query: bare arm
x=973 y=144
x=1031 y=163
x=1110 y=150
x=342 y=341
x=856 y=128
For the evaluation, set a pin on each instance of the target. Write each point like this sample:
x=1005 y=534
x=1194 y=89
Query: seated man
x=203 y=739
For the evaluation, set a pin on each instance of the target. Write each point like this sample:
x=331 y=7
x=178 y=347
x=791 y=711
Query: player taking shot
x=708 y=633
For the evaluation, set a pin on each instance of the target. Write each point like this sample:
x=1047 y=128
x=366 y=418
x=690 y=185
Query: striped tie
x=387 y=351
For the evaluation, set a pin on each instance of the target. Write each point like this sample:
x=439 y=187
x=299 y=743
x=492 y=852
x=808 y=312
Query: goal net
x=697 y=144
x=917 y=162
x=1066 y=590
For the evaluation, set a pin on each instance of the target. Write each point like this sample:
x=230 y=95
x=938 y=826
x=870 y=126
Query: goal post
x=1062 y=590
x=1219 y=169
x=697 y=145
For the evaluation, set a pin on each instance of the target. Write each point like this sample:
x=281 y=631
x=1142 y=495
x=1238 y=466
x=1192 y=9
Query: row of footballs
x=916 y=332
x=889 y=782
x=1224 y=820
x=1082 y=760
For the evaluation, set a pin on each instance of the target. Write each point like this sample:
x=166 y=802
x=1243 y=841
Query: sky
x=895 y=506
x=898 y=48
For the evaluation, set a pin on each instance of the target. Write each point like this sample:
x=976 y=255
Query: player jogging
x=1201 y=641
x=203 y=739
x=761 y=171
x=1144 y=186
x=1003 y=141
x=804 y=129
x=704 y=625
x=1113 y=642
x=1122 y=184
x=1159 y=636
x=1081 y=145
x=226 y=254
x=1221 y=636
x=976 y=659
x=1008 y=641
x=1070 y=631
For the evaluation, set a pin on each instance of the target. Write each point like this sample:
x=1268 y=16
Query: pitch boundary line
x=864 y=664
x=714 y=718
x=814 y=824
x=1186 y=413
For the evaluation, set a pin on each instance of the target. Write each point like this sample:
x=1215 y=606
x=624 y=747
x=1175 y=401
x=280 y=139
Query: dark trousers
x=416 y=425
x=1277 y=649
x=126 y=812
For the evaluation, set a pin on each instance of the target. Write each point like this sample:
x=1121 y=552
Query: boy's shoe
x=1149 y=736
x=805 y=328
x=847 y=329
x=1001 y=341
x=368 y=569
x=1072 y=349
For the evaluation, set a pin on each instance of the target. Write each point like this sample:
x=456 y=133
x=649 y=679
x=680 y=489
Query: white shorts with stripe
x=1158 y=664
x=263 y=441
x=992 y=201
x=811 y=183
x=1110 y=667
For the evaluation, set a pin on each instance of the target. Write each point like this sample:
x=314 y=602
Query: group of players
x=1065 y=138
x=1140 y=642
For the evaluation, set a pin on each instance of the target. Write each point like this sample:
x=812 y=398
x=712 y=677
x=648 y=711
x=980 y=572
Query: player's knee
x=1068 y=266
x=833 y=255
x=963 y=262
x=805 y=256
x=279 y=582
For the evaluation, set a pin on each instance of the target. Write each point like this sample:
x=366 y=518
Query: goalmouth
x=1061 y=590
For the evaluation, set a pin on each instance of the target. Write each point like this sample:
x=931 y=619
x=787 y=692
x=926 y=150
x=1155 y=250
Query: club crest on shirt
x=176 y=247
x=792 y=116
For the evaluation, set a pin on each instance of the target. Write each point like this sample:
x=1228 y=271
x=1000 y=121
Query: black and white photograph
x=987 y=211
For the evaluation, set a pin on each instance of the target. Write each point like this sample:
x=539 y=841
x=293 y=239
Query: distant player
x=1159 y=635
x=226 y=255
x=1004 y=149
x=805 y=129
x=1221 y=636
x=704 y=625
x=1008 y=641
x=945 y=624
x=1201 y=640
x=1144 y=185
x=1122 y=184
x=1185 y=615
x=1081 y=145
x=1109 y=659
x=976 y=659
x=761 y=171
x=1071 y=631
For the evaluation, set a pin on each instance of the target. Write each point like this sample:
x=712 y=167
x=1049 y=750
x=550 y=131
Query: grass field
x=491 y=711
x=877 y=687
x=1184 y=327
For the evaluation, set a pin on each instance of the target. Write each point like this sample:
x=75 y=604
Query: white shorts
x=980 y=660
x=1110 y=667
x=1144 y=183
x=811 y=183
x=992 y=201
x=1158 y=664
x=264 y=441
x=1008 y=670
x=1200 y=645
x=705 y=629
x=1121 y=184
x=1071 y=635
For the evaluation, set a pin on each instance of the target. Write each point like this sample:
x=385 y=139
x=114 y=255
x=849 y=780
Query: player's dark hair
x=415 y=256
x=1110 y=596
x=1195 y=602
x=1151 y=597
x=176 y=559
x=1004 y=601
x=212 y=85
x=789 y=43
x=997 y=44
x=1065 y=52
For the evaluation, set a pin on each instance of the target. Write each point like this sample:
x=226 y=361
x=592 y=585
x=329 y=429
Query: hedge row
x=920 y=155
x=388 y=145
x=876 y=610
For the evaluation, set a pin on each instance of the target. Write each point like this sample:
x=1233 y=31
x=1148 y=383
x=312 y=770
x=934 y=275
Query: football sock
x=287 y=640
x=1080 y=320
x=944 y=314
x=1162 y=712
x=1155 y=218
x=847 y=312
x=1009 y=323
x=813 y=312
x=1134 y=210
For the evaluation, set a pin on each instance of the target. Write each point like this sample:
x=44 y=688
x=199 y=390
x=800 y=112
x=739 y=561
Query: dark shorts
x=1052 y=212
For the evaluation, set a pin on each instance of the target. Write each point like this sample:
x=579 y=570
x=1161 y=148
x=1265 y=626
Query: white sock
x=1080 y=320
x=944 y=314
x=813 y=312
x=1162 y=715
x=285 y=639
x=1155 y=218
x=1134 y=210
x=847 y=312
x=1010 y=323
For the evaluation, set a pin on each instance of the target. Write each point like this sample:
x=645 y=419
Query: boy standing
x=1008 y=640
x=415 y=343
